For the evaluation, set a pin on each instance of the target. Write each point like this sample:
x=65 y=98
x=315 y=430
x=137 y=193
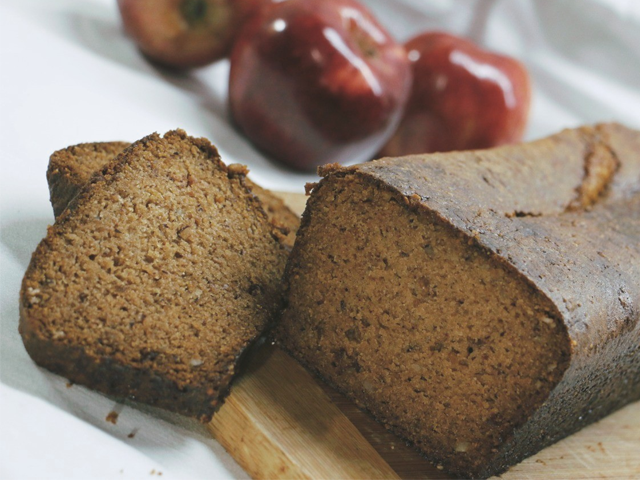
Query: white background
x=69 y=75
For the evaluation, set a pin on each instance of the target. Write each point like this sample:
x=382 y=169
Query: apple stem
x=479 y=20
x=193 y=10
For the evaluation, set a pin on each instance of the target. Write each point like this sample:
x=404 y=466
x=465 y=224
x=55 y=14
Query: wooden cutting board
x=280 y=422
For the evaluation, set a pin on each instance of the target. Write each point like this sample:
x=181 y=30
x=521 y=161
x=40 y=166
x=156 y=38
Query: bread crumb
x=32 y=294
x=112 y=417
x=548 y=321
x=462 y=447
x=237 y=169
x=368 y=386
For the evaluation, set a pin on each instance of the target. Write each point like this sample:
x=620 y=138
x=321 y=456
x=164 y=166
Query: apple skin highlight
x=463 y=97
x=317 y=81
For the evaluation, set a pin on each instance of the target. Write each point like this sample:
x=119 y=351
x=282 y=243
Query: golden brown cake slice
x=155 y=278
x=482 y=304
x=72 y=167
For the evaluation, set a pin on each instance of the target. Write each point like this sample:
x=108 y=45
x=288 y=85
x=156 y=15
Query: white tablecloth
x=69 y=75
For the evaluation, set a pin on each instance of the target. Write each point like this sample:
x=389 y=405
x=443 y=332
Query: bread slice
x=155 y=278
x=72 y=167
x=483 y=304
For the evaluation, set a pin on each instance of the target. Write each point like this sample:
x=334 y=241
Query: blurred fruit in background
x=463 y=97
x=317 y=81
x=185 y=33
x=321 y=81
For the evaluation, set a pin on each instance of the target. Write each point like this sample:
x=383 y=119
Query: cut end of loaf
x=157 y=279
x=441 y=342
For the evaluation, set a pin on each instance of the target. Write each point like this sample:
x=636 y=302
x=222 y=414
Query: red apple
x=463 y=97
x=185 y=33
x=317 y=81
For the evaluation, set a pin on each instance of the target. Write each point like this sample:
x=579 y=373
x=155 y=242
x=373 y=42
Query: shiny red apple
x=317 y=81
x=463 y=97
x=185 y=33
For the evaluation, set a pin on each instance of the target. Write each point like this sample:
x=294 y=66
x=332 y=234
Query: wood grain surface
x=280 y=422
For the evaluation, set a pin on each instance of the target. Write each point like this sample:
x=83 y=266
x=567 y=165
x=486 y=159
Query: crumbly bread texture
x=278 y=213
x=72 y=167
x=155 y=278
x=481 y=304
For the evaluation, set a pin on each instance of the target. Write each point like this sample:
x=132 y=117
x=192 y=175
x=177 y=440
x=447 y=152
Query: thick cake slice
x=72 y=167
x=483 y=304
x=155 y=278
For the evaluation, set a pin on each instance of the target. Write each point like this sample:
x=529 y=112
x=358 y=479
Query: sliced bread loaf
x=483 y=304
x=72 y=167
x=155 y=278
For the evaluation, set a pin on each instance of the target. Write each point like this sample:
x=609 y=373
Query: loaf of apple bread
x=480 y=304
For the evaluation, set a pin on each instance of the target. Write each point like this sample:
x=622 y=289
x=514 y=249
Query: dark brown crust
x=64 y=176
x=72 y=167
x=105 y=373
x=564 y=213
x=122 y=381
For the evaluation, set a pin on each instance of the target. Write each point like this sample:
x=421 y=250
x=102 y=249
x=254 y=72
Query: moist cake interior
x=444 y=345
x=169 y=266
